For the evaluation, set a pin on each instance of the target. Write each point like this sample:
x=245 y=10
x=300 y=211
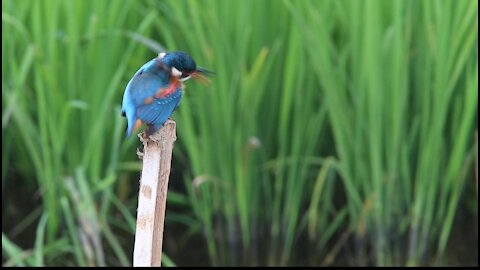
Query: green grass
x=401 y=90
x=63 y=78
x=329 y=127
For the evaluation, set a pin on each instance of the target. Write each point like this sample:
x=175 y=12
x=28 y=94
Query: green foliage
x=329 y=126
x=65 y=65
x=402 y=94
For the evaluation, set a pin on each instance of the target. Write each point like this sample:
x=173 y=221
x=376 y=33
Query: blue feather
x=155 y=91
x=156 y=113
x=145 y=84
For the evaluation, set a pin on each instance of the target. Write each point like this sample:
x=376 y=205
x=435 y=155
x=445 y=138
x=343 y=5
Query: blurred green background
x=334 y=132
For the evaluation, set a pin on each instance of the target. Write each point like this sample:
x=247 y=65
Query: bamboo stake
x=152 y=197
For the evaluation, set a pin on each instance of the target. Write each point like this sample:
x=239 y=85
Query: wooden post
x=152 y=197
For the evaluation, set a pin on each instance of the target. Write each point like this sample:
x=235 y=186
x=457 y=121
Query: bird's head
x=183 y=67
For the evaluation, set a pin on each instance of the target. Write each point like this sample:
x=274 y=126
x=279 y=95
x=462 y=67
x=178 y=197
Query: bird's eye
x=184 y=77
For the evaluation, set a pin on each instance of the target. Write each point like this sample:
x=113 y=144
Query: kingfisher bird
x=155 y=91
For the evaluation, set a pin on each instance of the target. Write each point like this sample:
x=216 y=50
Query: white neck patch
x=175 y=72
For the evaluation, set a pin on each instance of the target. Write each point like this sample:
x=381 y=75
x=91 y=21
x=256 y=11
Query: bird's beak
x=202 y=75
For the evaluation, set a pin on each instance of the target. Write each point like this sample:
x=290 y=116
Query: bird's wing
x=148 y=93
x=157 y=112
x=145 y=86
